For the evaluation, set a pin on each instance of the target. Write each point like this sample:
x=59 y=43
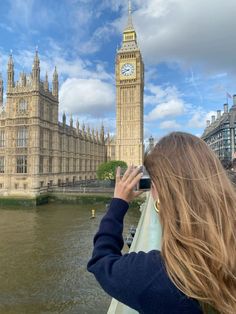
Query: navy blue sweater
x=138 y=280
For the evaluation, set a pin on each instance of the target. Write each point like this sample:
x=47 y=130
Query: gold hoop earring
x=156 y=205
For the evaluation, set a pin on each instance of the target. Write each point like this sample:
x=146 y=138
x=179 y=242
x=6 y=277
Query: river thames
x=43 y=256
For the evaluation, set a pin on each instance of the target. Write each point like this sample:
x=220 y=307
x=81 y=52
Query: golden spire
x=129 y=35
x=130 y=7
x=130 y=22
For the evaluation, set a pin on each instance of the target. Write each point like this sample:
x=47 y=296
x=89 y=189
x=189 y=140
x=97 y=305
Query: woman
x=195 y=272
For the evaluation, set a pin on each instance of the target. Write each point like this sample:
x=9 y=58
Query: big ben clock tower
x=129 y=98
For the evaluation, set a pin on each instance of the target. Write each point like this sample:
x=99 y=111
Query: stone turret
x=88 y=131
x=102 y=134
x=97 y=136
x=151 y=143
x=10 y=73
x=234 y=101
x=77 y=126
x=83 y=130
x=226 y=108
x=22 y=81
x=108 y=138
x=45 y=84
x=71 y=121
x=1 y=90
x=36 y=71
x=55 y=83
x=93 y=134
x=64 y=119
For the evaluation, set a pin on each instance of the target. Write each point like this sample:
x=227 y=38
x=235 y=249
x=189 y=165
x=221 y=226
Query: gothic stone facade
x=36 y=150
x=220 y=133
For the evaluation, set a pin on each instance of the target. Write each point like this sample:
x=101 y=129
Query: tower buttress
x=77 y=124
x=64 y=119
x=10 y=73
x=1 y=90
x=71 y=121
x=102 y=134
x=97 y=136
x=46 y=86
x=55 y=83
x=36 y=70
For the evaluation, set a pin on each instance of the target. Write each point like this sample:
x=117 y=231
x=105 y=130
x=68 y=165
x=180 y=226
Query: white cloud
x=174 y=107
x=90 y=97
x=170 y=124
x=186 y=31
x=199 y=118
x=100 y=35
x=156 y=94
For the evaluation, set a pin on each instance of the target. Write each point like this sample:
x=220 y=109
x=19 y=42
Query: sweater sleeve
x=121 y=276
x=138 y=280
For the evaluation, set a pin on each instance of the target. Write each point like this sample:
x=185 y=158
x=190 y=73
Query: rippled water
x=43 y=258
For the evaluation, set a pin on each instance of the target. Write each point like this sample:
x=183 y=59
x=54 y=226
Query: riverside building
x=36 y=150
x=220 y=132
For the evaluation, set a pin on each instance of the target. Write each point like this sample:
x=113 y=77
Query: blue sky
x=188 y=49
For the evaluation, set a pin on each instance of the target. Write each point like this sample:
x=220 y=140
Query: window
x=41 y=110
x=22 y=137
x=2 y=162
x=16 y=186
x=41 y=164
x=23 y=107
x=50 y=113
x=41 y=137
x=50 y=165
x=21 y=164
x=60 y=165
x=60 y=142
x=2 y=138
x=25 y=186
x=67 y=165
x=50 y=139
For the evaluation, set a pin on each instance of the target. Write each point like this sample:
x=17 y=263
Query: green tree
x=107 y=170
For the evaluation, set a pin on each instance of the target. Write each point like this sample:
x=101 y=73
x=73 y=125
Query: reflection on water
x=43 y=258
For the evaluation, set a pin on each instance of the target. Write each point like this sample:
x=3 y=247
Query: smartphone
x=145 y=182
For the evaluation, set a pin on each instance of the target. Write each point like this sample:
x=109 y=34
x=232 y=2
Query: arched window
x=22 y=137
x=23 y=107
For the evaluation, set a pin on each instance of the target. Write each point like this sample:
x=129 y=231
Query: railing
x=79 y=189
x=147 y=237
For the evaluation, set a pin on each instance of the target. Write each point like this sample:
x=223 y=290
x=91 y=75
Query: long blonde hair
x=198 y=216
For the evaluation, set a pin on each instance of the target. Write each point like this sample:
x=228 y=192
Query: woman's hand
x=125 y=186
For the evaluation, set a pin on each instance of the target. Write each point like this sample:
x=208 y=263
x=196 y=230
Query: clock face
x=127 y=69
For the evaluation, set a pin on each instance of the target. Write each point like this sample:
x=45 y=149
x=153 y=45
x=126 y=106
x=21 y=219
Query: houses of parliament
x=37 y=150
